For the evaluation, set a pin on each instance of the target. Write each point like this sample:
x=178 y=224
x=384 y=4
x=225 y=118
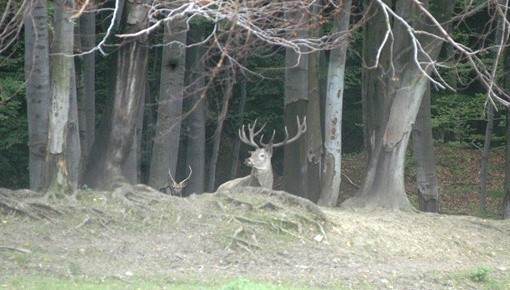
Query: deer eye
x=262 y=155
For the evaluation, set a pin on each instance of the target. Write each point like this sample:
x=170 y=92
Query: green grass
x=43 y=283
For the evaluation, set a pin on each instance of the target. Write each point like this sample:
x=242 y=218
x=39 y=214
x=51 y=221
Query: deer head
x=261 y=157
x=177 y=187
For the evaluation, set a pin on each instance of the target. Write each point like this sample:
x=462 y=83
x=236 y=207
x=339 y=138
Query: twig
x=350 y=181
x=21 y=250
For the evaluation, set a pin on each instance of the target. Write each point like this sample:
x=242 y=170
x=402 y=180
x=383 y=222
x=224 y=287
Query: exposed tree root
x=27 y=203
x=138 y=199
x=259 y=210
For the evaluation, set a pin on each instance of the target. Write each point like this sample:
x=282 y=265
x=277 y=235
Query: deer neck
x=263 y=176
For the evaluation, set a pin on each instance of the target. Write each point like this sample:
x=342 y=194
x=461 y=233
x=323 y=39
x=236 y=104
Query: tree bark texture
x=240 y=121
x=87 y=98
x=506 y=84
x=227 y=95
x=113 y=143
x=195 y=149
x=506 y=198
x=333 y=116
x=132 y=165
x=424 y=156
x=168 y=125
x=295 y=104
x=61 y=174
x=37 y=76
x=484 y=167
x=396 y=94
x=313 y=116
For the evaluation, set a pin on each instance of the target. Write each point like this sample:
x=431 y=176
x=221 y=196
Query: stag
x=260 y=160
x=175 y=188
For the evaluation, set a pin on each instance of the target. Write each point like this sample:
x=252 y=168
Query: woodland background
x=152 y=86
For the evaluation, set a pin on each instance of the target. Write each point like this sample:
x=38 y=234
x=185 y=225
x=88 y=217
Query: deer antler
x=190 y=172
x=301 y=129
x=173 y=181
x=251 y=139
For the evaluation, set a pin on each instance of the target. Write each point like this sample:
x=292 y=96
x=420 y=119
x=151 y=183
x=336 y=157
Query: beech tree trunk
x=484 y=167
x=240 y=121
x=227 y=95
x=314 y=116
x=396 y=86
x=506 y=84
x=113 y=143
x=165 y=150
x=333 y=116
x=506 y=198
x=37 y=76
x=424 y=156
x=295 y=104
x=195 y=149
x=86 y=70
x=61 y=173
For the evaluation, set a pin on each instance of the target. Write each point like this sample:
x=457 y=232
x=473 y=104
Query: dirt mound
x=135 y=234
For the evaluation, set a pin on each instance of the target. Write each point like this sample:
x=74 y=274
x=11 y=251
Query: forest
x=254 y=144
x=94 y=94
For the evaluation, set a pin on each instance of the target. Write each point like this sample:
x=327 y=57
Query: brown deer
x=260 y=160
x=175 y=188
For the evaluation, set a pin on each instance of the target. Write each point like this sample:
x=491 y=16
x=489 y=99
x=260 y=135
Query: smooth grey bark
x=295 y=159
x=61 y=174
x=195 y=148
x=425 y=158
x=165 y=150
x=240 y=121
x=333 y=112
x=37 y=76
x=132 y=165
x=227 y=95
x=396 y=88
x=112 y=145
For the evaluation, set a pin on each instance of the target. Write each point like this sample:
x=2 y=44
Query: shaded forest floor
x=137 y=238
x=458 y=173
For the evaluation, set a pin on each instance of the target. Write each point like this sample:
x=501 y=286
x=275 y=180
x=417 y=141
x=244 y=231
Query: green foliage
x=453 y=116
x=13 y=128
x=479 y=274
x=245 y=284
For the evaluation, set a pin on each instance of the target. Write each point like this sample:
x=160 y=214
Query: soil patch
x=135 y=234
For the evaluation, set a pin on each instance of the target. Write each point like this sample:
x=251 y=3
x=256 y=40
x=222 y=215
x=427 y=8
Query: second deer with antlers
x=260 y=160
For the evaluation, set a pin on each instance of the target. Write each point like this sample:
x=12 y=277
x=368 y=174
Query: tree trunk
x=506 y=85
x=168 y=125
x=484 y=167
x=384 y=184
x=195 y=149
x=116 y=135
x=227 y=95
x=87 y=95
x=240 y=121
x=295 y=104
x=313 y=115
x=506 y=198
x=61 y=168
x=37 y=76
x=333 y=116
x=131 y=166
x=424 y=156
x=397 y=86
